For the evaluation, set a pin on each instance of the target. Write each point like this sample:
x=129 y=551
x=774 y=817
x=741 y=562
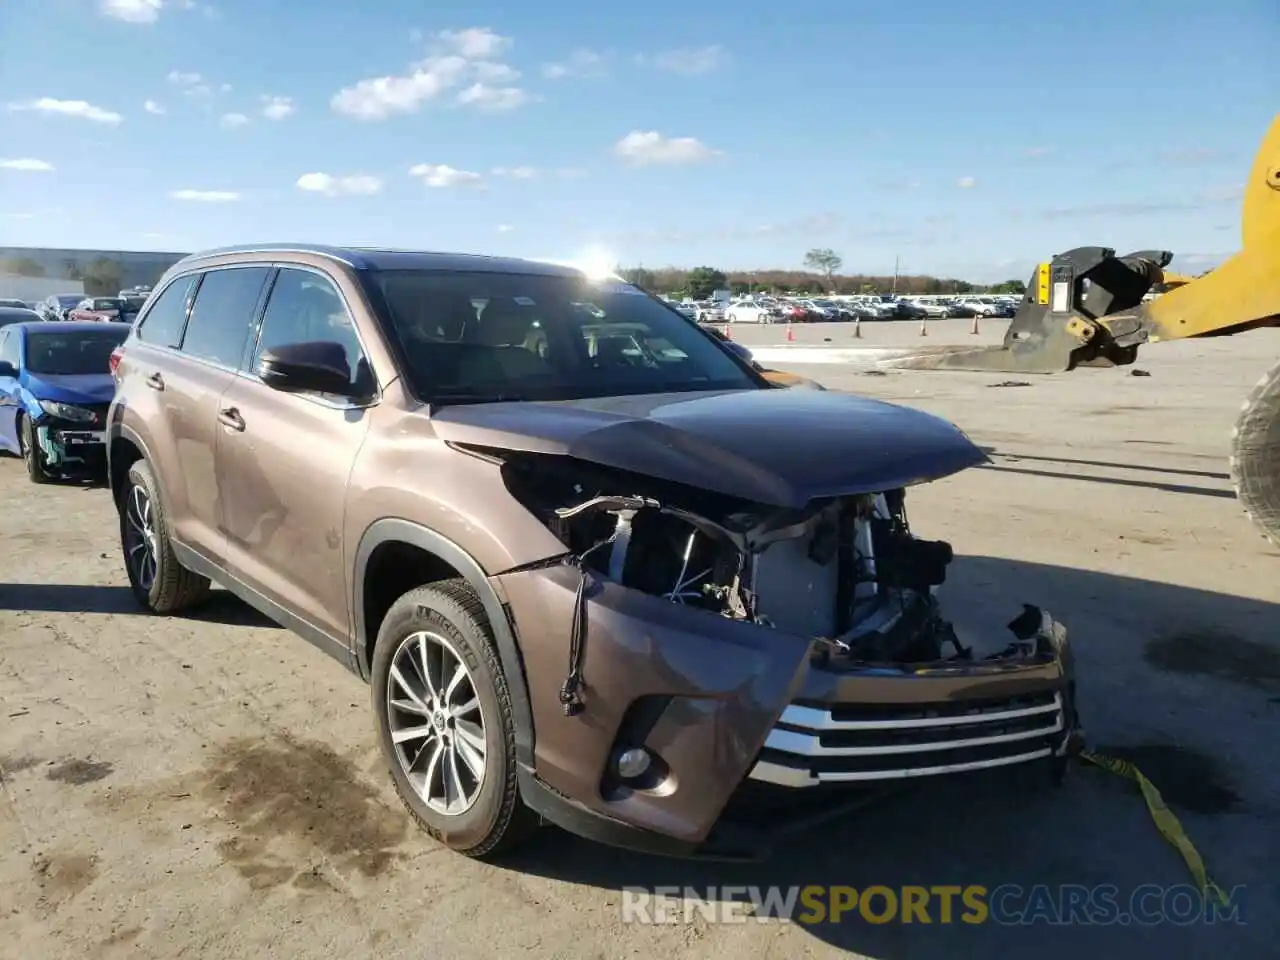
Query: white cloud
x=515 y=173
x=579 y=63
x=505 y=228
x=382 y=97
x=205 y=196
x=487 y=71
x=133 y=11
x=966 y=183
x=277 y=108
x=233 y=120
x=485 y=97
x=690 y=61
x=355 y=185
x=153 y=108
x=26 y=165
x=443 y=175
x=642 y=149
x=475 y=43
x=194 y=85
x=71 y=108
x=467 y=61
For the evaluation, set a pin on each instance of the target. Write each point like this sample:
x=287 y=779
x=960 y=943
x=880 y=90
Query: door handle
x=230 y=417
x=155 y=382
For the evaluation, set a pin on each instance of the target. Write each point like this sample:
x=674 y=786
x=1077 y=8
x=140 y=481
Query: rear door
x=184 y=355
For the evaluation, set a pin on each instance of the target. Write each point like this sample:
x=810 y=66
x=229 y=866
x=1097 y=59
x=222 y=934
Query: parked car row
x=632 y=600
x=783 y=309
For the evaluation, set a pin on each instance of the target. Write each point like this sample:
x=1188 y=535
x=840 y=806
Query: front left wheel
x=445 y=721
x=32 y=456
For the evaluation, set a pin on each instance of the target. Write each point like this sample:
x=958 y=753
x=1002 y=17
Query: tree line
x=102 y=276
x=822 y=276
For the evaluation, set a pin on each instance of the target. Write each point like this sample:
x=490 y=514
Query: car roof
x=57 y=326
x=378 y=258
x=17 y=312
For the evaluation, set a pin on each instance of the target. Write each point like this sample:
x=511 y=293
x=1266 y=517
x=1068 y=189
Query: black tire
x=37 y=471
x=498 y=820
x=1255 y=455
x=173 y=587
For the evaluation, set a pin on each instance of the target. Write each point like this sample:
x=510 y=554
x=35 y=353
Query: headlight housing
x=68 y=411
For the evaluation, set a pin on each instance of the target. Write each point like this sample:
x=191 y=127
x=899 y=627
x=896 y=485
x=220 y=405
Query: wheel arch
x=396 y=531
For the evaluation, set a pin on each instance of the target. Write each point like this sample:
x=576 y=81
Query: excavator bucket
x=1089 y=307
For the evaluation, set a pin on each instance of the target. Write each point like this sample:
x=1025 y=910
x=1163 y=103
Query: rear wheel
x=32 y=455
x=1255 y=455
x=159 y=581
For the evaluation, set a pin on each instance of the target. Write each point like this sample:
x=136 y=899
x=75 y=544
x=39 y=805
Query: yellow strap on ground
x=1165 y=820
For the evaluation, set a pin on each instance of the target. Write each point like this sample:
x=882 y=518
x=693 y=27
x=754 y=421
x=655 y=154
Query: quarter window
x=305 y=307
x=164 y=321
x=223 y=315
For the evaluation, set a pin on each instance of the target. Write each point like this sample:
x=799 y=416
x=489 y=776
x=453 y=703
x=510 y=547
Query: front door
x=284 y=460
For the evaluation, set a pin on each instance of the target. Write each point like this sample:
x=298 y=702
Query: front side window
x=75 y=352
x=476 y=336
x=305 y=307
x=223 y=314
x=163 y=323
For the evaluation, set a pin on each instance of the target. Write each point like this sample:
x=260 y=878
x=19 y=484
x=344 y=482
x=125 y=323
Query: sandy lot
x=209 y=787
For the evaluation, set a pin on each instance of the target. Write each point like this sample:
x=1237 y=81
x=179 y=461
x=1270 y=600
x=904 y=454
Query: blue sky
x=968 y=139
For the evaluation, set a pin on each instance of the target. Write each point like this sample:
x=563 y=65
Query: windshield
x=75 y=351
x=543 y=338
x=132 y=304
x=69 y=301
x=106 y=303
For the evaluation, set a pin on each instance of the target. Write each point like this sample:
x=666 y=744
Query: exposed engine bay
x=847 y=572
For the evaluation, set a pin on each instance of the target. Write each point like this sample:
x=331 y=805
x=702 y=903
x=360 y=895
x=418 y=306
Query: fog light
x=632 y=763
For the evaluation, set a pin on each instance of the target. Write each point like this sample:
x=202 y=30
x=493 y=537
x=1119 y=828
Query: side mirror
x=7 y=369
x=317 y=366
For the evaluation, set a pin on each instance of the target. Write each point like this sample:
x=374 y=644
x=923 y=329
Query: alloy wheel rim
x=437 y=723
x=140 y=538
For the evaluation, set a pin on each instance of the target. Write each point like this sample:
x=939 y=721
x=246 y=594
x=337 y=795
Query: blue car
x=55 y=388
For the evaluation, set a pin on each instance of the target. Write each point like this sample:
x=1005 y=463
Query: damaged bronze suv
x=598 y=570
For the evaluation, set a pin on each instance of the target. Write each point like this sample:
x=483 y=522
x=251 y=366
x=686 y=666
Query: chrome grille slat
x=804 y=748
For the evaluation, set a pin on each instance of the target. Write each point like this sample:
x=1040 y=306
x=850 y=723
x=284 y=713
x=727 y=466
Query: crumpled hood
x=72 y=388
x=779 y=447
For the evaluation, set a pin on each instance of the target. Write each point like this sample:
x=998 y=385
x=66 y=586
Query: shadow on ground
x=220 y=607
x=1201 y=728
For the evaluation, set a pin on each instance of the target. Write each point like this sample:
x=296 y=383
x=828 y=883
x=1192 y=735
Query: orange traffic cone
x=791 y=334
x=924 y=331
x=973 y=327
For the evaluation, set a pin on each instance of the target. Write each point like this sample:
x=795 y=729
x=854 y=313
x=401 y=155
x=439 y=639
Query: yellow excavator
x=1089 y=307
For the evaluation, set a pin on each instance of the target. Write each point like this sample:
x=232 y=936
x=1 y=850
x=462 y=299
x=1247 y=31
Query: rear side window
x=223 y=314
x=163 y=323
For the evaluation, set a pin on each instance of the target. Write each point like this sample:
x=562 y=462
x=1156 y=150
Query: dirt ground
x=209 y=787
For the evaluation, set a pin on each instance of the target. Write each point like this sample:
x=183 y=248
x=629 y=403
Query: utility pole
x=896 y=262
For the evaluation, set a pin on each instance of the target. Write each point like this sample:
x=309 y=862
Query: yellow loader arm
x=1085 y=307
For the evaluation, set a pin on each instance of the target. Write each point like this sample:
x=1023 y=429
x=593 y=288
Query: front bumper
x=72 y=449
x=731 y=712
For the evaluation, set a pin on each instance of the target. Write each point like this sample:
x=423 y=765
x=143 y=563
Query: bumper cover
x=734 y=713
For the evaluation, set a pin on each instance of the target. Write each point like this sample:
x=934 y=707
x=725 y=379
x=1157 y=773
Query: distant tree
x=825 y=260
x=72 y=270
x=642 y=278
x=23 y=267
x=103 y=277
x=703 y=281
x=1010 y=286
x=740 y=288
